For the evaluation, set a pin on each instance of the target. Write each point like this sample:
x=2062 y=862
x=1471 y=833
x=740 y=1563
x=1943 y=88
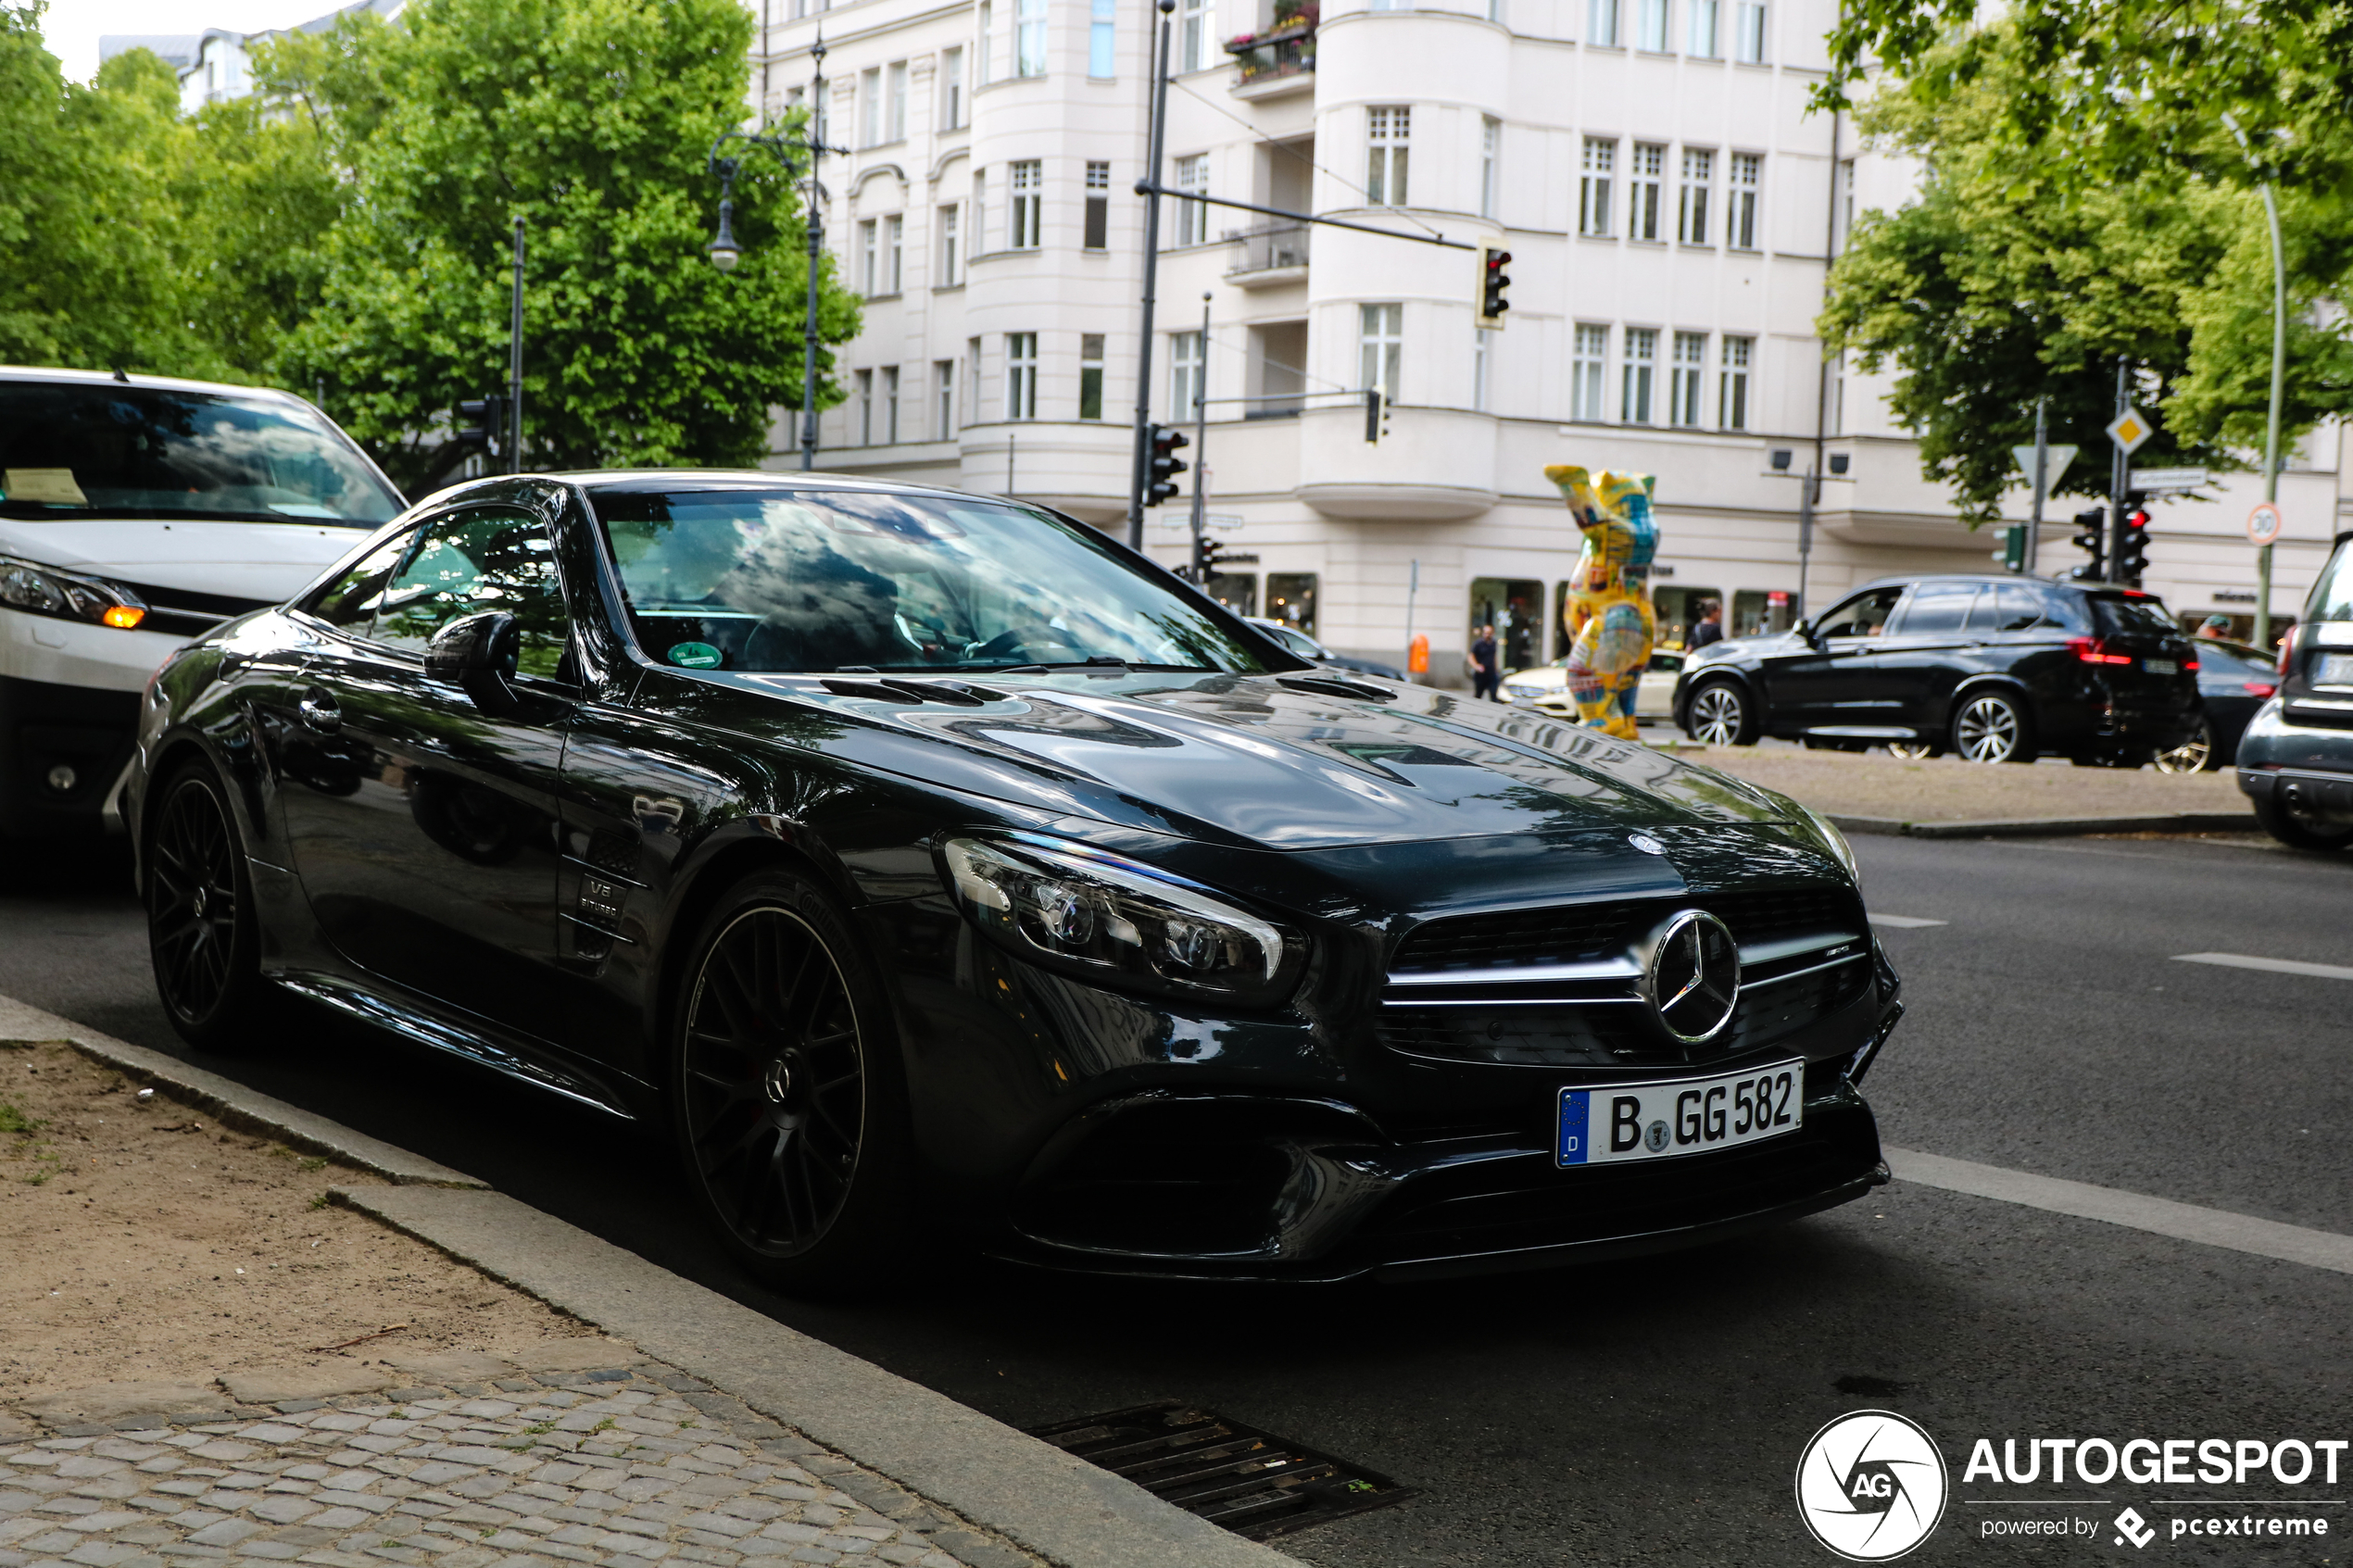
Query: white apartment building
x=1669 y=205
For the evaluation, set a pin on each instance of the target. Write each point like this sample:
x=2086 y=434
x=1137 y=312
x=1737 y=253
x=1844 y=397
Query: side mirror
x=478 y=654
x=1806 y=635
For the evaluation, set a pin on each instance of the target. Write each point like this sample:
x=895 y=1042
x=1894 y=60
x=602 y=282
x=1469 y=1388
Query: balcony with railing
x=1270 y=254
x=1282 y=58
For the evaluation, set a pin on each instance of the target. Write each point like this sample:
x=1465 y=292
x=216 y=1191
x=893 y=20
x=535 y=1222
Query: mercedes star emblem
x=1692 y=977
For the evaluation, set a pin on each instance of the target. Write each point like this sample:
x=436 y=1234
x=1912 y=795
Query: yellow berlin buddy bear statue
x=1609 y=610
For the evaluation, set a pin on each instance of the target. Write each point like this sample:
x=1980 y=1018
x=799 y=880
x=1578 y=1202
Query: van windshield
x=73 y=450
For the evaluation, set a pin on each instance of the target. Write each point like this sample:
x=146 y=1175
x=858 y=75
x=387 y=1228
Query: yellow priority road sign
x=2130 y=429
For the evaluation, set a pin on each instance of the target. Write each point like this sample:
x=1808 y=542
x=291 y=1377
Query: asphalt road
x=1654 y=1411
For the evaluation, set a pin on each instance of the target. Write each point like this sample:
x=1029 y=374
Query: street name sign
x=2131 y=428
x=2263 y=524
x=2155 y=480
x=2055 y=455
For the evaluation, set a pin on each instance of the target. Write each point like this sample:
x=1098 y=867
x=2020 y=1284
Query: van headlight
x=45 y=590
x=1116 y=922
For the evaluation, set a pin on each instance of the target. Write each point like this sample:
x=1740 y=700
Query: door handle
x=320 y=712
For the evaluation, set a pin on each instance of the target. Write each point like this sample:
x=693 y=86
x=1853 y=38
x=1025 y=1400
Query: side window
x=1938 y=609
x=2010 y=607
x=350 y=602
x=1863 y=616
x=469 y=561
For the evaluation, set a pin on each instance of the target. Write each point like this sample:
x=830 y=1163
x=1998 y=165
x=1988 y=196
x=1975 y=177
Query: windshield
x=70 y=451
x=792 y=581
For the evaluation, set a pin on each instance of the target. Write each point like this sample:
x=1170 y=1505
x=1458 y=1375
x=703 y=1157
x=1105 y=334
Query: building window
x=870 y=107
x=1482 y=350
x=976 y=234
x=895 y=102
x=1192 y=47
x=890 y=403
x=1098 y=232
x=1641 y=368
x=1389 y=5
x=1100 y=35
x=1696 y=196
x=1593 y=187
x=951 y=90
x=893 y=263
x=1490 y=148
x=972 y=379
x=1648 y=175
x=866 y=259
x=1650 y=25
x=1192 y=218
x=1586 y=373
x=1731 y=390
x=1844 y=212
x=1029 y=37
x=1028 y=205
x=1740 y=218
x=1184 y=375
x=1380 y=338
x=1090 y=376
x=985 y=39
x=1291 y=598
x=1748 y=32
x=1390 y=126
x=1601 y=23
x=949 y=260
x=1021 y=375
x=865 y=385
x=1703 y=39
x=1686 y=374
x=1838 y=395
x=943 y=392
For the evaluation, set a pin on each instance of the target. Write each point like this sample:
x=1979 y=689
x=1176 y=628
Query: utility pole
x=1201 y=440
x=2116 y=461
x=2271 y=425
x=2041 y=482
x=1809 y=490
x=1148 y=188
x=815 y=224
x=514 y=365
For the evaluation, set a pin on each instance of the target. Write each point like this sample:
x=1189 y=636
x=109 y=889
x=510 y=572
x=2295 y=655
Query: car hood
x=1276 y=763
x=263 y=562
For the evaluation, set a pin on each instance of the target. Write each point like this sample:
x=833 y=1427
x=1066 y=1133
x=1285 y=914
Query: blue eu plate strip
x=1572 y=1127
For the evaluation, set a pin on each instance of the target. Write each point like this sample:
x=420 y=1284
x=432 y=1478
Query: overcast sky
x=73 y=26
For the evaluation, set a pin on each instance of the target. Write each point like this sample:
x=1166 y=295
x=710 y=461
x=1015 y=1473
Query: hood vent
x=955 y=693
x=1333 y=685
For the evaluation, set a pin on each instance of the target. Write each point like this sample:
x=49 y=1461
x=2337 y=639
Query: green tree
x=592 y=120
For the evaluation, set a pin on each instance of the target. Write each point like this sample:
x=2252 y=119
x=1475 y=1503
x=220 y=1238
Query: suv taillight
x=2092 y=650
x=2287 y=648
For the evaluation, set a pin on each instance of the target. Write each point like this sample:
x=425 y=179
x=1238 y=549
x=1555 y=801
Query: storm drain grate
x=1231 y=1474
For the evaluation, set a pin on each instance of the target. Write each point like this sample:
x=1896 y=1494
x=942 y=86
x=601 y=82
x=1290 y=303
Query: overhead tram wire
x=1294 y=152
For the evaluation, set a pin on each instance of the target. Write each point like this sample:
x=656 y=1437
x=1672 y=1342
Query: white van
x=136 y=513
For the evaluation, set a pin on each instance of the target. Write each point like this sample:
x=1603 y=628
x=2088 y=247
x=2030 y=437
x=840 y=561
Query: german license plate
x=2160 y=667
x=1620 y=1122
x=2333 y=669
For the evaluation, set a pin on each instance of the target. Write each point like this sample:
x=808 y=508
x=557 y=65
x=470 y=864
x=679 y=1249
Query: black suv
x=1997 y=669
x=2295 y=759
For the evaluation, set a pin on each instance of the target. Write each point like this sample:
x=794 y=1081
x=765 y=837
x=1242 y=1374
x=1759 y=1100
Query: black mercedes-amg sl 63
x=932 y=867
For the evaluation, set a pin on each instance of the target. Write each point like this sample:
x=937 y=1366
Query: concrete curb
x=230 y=1103
x=1039 y=1497
x=2051 y=827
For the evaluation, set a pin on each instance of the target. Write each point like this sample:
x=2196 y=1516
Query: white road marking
x=2277 y=966
x=2159 y=1216
x=1903 y=923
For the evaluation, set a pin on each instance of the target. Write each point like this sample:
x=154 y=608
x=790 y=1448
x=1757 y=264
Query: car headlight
x=45 y=590
x=1114 y=921
x=1832 y=840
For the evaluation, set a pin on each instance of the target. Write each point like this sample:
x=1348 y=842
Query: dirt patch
x=1945 y=790
x=146 y=1242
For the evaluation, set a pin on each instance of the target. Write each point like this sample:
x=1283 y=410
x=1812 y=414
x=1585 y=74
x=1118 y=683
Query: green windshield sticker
x=696 y=656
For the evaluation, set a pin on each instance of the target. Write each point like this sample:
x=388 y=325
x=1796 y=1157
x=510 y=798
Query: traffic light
x=1205 y=554
x=1376 y=415
x=1162 y=469
x=482 y=423
x=2133 y=548
x=2092 y=534
x=2012 y=555
x=1493 y=282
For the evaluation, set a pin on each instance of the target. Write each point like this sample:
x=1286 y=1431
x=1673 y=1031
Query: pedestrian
x=2215 y=628
x=1486 y=677
x=1710 y=628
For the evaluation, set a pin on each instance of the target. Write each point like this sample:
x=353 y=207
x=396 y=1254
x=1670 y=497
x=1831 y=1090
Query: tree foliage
x=591 y=119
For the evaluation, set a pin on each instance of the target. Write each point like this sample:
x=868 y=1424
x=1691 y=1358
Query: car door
x=424 y=829
x=1816 y=680
x=1927 y=651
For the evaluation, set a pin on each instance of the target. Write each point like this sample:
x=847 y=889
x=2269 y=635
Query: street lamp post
x=785 y=143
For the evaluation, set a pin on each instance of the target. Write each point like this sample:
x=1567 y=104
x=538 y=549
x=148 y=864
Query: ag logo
x=1870 y=1486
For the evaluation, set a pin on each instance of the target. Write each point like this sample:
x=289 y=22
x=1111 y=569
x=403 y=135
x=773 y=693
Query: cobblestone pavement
x=625 y=1467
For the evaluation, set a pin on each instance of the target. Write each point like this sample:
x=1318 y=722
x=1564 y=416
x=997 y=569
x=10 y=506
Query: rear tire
x=2200 y=754
x=1915 y=750
x=2297 y=831
x=203 y=936
x=786 y=1091
x=1720 y=713
x=1992 y=727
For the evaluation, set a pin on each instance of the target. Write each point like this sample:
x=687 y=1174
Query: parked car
x=2295 y=756
x=1545 y=688
x=2235 y=681
x=136 y=513
x=1997 y=669
x=1308 y=647
x=915 y=855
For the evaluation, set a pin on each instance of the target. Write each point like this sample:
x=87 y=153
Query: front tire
x=202 y=936
x=1721 y=714
x=1992 y=727
x=786 y=1091
x=1914 y=750
x=2297 y=830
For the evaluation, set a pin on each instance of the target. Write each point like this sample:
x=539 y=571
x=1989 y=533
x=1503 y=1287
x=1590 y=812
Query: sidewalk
x=226 y=1348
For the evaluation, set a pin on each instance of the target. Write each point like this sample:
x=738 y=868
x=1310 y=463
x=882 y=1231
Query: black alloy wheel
x=2298 y=829
x=790 y=1116
x=1721 y=714
x=1992 y=727
x=202 y=933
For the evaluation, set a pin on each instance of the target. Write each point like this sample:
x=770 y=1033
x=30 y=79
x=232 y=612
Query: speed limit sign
x=2263 y=524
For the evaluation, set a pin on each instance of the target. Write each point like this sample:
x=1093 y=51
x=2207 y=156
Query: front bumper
x=63 y=753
